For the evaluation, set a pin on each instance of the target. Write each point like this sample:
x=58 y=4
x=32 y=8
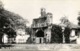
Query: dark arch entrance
x=39 y=33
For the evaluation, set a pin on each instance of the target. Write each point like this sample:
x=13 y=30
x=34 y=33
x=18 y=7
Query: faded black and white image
x=52 y=25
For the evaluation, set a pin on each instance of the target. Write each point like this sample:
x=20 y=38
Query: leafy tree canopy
x=10 y=21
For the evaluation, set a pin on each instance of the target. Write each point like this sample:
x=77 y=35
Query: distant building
x=70 y=34
x=41 y=28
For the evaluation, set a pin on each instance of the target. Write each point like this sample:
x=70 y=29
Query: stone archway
x=39 y=33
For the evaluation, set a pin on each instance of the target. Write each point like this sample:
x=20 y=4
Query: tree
x=10 y=22
x=64 y=21
x=1 y=22
x=1 y=6
x=56 y=34
x=78 y=19
x=16 y=21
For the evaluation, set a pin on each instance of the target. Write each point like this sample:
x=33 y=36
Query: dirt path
x=42 y=47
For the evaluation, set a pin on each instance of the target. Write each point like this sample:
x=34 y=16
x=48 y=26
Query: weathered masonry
x=41 y=28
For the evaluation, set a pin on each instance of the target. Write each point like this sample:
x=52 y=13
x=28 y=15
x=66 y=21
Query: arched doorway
x=39 y=36
x=39 y=33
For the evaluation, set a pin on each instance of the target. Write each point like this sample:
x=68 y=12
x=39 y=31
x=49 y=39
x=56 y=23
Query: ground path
x=42 y=47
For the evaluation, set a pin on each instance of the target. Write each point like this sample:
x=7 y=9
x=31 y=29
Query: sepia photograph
x=39 y=25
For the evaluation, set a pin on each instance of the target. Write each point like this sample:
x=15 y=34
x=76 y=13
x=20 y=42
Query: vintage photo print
x=39 y=25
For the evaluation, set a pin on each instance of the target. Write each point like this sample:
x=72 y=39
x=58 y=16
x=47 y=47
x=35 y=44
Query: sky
x=30 y=9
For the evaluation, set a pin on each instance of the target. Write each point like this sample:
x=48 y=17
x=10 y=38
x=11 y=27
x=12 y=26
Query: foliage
x=16 y=21
x=78 y=20
x=56 y=34
x=1 y=6
x=29 y=30
x=64 y=20
x=10 y=22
